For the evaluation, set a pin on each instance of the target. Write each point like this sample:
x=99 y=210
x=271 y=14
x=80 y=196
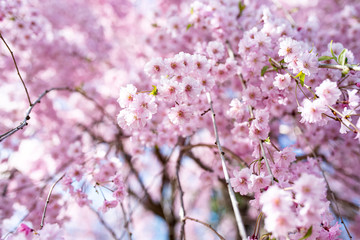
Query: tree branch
x=238 y=218
x=17 y=69
x=206 y=225
x=48 y=200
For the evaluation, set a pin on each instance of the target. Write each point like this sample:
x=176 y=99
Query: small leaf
x=345 y=71
x=263 y=70
x=192 y=11
x=267 y=140
x=324 y=58
x=241 y=6
x=154 y=91
x=332 y=51
x=301 y=77
x=342 y=57
x=189 y=26
x=307 y=234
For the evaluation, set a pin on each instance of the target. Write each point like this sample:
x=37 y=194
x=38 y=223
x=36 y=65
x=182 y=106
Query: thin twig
x=335 y=203
x=266 y=161
x=27 y=115
x=260 y=141
x=48 y=200
x=102 y=221
x=287 y=14
x=126 y=223
x=17 y=69
x=239 y=221
x=234 y=155
x=206 y=225
x=340 y=67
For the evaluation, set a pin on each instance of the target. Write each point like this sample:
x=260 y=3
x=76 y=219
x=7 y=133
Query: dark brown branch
x=17 y=69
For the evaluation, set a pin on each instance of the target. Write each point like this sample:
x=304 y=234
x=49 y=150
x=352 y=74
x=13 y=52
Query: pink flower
x=241 y=129
x=257 y=133
x=282 y=81
x=190 y=88
x=346 y=120
x=25 y=229
x=201 y=65
x=155 y=68
x=127 y=95
x=261 y=119
x=215 y=50
x=289 y=48
x=312 y=112
x=328 y=92
x=285 y=157
x=144 y=105
x=354 y=100
x=120 y=193
x=237 y=109
x=241 y=181
x=309 y=63
x=251 y=95
x=108 y=204
x=276 y=200
x=169 y=89
x=277 y=208
x=280 y=224
x=179 y=114
x=259 y=181
x=309 y=188
x=130 y=118
x=175 y=65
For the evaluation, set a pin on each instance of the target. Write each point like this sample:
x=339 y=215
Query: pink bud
x=24 y=228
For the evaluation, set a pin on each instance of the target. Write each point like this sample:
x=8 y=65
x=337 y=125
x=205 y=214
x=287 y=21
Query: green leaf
x=345 y=71
x=342 y=57
x=192 y=11
x=189 y=26
x=301 y=77
x=263 y=70
x=154 y=91
x=332 y=51
x=267 y=140
x=324 y=58
x=241 y=6
x=307 y=234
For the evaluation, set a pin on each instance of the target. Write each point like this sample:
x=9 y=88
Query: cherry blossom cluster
x=119 y=131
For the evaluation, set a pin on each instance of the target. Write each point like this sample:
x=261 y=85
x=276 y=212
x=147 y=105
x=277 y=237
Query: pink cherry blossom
x=241 y=181
x=328 y=92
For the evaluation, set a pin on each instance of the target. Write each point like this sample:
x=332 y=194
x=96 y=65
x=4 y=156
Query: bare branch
x=17 y=69
x=340 y=67
x=206 y=225
x=27 y=115
x=48 y=200
x=102 y=221
x=234 y=155
x=238 y=218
